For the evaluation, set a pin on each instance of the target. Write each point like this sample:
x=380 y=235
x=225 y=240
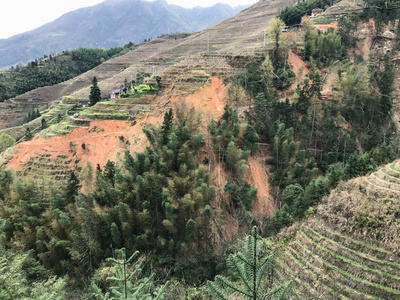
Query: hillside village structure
x=114 y=94
x=316 y=12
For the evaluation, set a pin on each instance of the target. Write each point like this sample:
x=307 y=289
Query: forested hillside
x=264 y=173
x=53 y=69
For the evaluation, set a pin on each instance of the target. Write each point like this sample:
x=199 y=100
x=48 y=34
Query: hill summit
x=109 y=24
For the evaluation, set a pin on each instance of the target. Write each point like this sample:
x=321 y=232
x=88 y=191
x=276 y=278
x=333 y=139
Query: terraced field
x=48 y=171
x=51 y=115
x=349 y=246
x=326 y=264
x=386 y=178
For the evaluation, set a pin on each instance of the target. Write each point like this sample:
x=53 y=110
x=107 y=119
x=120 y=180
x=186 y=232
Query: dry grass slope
x=242 y=33
x=349 y=249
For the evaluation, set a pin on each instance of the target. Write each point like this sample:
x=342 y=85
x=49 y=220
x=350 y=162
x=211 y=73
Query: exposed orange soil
x=208 y=99
x=325 y=27
x=102 y=143
x=258 y=177
x=297 y=63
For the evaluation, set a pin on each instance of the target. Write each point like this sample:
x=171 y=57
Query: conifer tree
x=248 y=270
x=267 y=70
x=166 y=127
x=72 y=187
x=260 y=109
x=95 y=93
x=127 y=282
x=109 y=172
x=28 y=134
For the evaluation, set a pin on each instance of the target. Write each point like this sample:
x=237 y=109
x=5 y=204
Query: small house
x=84 y=102
x=316 y=12
x=115 y=94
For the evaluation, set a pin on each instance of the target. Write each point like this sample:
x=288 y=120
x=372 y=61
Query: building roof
x=116 y=91
x=317 y=8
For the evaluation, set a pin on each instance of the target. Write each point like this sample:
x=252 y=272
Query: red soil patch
x=258 y=177
x=325 y=27
x=208 y=99
x=297 y=63
x=104 y=143
x=101 y=140
x=99 y=145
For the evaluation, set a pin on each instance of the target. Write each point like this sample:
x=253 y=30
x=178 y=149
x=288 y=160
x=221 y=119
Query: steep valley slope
x=346 y=248
x=188 y=73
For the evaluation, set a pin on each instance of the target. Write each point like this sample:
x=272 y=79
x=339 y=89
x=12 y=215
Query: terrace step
x=328 y=286
x=333 y=274
x=379 y=271
x=367 y=282
x=383 y=173
x=383 y=182
x=354 y=244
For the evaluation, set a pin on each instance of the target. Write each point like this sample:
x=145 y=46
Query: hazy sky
x=17 y=16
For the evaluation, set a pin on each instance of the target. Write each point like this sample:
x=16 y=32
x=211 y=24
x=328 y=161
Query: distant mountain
x=109 y=24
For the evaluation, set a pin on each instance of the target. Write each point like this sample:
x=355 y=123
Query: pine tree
x=267 y=70
x=250 y=137
x=72 y=187
x=95 y=93
x=127 y=284
x=28 y=134
x=248 y=270
x=166 y=127
x=109 y=172
x=260 y=109
x=43 y=124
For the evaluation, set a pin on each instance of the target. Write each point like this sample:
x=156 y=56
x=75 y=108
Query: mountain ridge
x=109 y=24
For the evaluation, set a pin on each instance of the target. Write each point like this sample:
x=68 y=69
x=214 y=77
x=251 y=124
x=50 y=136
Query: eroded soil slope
x=104 y=140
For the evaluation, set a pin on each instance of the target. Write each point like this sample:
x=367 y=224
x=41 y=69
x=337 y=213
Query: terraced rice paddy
x=326 y=264
x=387 y=178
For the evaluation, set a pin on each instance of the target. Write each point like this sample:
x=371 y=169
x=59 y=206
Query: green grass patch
x=107 y=102
x=66 y=104
x=321 y=20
